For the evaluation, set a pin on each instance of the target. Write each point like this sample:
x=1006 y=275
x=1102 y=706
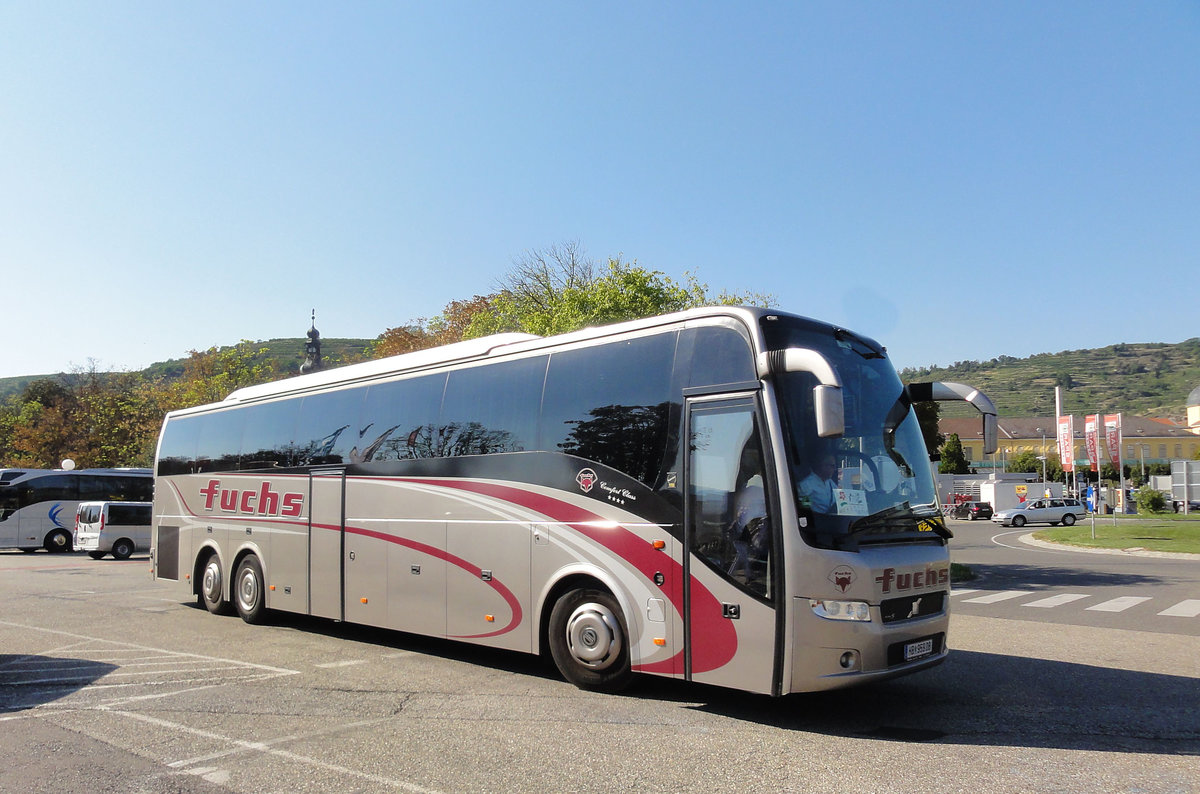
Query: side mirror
x=949 y=392
x=831 y=411
x=827 y=394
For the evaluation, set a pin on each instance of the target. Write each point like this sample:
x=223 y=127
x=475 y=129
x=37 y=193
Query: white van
x=119 y=528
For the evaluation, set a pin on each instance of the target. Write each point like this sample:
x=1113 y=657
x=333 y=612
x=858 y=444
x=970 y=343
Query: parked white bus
x=632 y=499
x=37 y=506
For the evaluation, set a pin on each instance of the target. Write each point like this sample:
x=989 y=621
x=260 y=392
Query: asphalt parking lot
x=110 y=681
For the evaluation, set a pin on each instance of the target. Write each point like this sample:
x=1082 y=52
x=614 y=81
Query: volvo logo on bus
x=263 y=501
x=586 y=479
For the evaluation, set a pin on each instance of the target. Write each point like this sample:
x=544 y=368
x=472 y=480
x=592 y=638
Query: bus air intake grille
x=912 y=607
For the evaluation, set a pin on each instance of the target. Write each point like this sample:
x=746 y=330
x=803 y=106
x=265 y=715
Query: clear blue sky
x=958 y=180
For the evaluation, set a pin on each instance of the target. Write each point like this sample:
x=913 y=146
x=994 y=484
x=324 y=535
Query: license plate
x=915 y=650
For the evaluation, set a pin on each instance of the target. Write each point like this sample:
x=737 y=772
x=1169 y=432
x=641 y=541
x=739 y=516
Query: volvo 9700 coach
x=733 y=496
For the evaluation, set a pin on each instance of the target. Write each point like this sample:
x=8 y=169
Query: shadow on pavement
x=28 y=681
x=973 y=698
x=1039 y=577
x=995 y=700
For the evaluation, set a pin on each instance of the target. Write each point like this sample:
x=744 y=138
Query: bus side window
x=492 y=409
x=610 y=404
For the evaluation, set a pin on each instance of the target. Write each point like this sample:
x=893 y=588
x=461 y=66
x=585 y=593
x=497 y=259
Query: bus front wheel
x=248 y=590
x=589 y=642
x=212 y=587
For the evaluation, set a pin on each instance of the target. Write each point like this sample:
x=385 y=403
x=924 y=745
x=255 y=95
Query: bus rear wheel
x=57 y=541
x=588 y=641
x=122 y=549
x=248 y=590
x=212 y=587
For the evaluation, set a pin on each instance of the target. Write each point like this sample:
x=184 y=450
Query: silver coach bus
x=733 y=496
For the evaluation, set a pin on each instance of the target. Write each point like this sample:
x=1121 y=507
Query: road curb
x=1030 y=540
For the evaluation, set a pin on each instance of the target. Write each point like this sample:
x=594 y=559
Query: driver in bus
x=819 y=485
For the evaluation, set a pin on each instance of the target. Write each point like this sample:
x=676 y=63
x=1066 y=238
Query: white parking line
x=1184 y=609
x=1119 y=604
x=347 y=663
x=1055 y=601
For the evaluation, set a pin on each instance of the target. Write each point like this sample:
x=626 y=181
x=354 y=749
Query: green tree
x=554 y=293
x=1151 y=501
x=953 y=460
x=210 y=376
x=1026 y=461
x=928 y=415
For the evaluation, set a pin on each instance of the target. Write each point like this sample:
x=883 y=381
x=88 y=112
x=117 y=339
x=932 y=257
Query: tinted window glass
x=219 y=444
x=177 y=447
x=267 y=442
x=129 y=514
x=48 y=489
x=610 y=404
x=400 y=419
x=491 y=409
x=716 y=355
x=116 y=487
x=328 y=429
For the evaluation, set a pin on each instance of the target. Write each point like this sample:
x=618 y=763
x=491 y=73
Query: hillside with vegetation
x=280 y=356
x=1146 y=379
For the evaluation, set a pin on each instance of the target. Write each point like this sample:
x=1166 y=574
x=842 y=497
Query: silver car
x=1042 y=511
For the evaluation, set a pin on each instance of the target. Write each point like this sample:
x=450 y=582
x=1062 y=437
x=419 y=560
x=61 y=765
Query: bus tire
x=589 y=642
x=122 y=549
x=96 y=555
x=212 y=586
x=58 y=541
x=248 y=590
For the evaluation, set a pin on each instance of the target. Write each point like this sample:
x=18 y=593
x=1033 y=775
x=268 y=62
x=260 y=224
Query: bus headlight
x=841 y=610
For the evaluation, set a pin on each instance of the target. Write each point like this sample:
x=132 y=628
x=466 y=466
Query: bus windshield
x=873 y=484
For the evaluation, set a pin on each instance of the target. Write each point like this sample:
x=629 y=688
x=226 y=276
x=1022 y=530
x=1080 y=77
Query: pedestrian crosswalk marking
x=999 y=595
x=1184 y=609
x=1118 y=604
x=1056 y=601
x=1188 y=608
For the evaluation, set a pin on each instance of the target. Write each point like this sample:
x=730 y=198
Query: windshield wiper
x=900 y=518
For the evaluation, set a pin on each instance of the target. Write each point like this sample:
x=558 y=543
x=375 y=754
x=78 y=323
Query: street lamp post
x=1043 y=457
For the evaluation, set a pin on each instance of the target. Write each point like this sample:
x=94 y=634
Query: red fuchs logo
x=586 y=479
x=913 y=579
x=263 y=501
x=843 y=577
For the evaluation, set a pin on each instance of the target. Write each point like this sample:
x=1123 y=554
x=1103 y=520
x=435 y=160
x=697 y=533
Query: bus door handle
x=731 y=611
x=351 y=555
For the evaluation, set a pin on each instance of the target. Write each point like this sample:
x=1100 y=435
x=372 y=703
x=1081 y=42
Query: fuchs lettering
x=912 y=580
x=262 y=502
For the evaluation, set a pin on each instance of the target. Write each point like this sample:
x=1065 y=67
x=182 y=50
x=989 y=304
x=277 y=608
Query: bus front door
x=730 y=600
x=326 y=528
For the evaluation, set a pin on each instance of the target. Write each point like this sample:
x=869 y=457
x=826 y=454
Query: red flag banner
x=1066 y=442
x=1112 y=438
x=1091 y=438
